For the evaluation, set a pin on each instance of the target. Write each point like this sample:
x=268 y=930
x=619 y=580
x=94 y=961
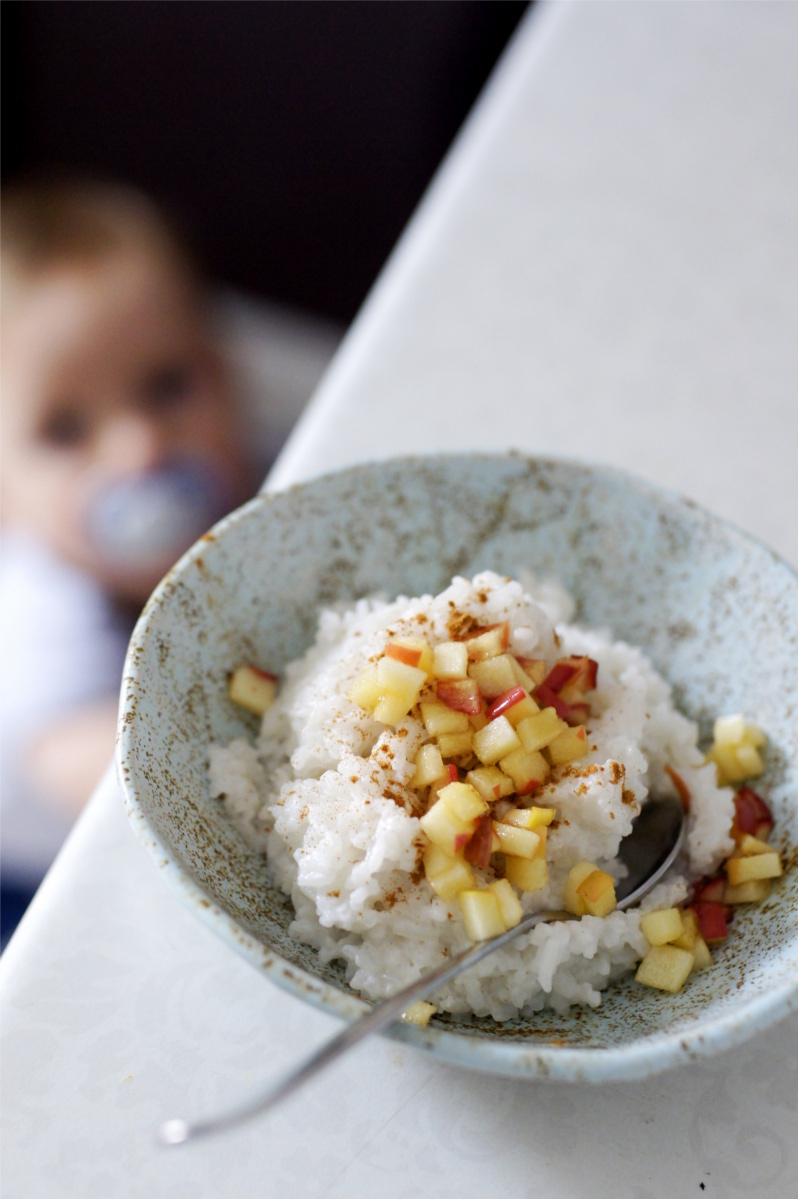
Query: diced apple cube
x=522 y=678
x=729 y=730
x=400 y=679
x=756 y=890
x=447 y=884
x=461 y=695
x=494 y=676
x=450 y=660
x=515 y=704
x=730 y=769
x=532 y=818
x=252 y=689
x=747 y=846
x=496 y=740
x=750 y=760
x=690 y=930
x=445 y=828
x=440 y=719
x=451 y=775
x=488 y=642
x=711 y=921
x=701 y=955
x=482 y=914
x=462 y=799
x=436 y=860
x=429 y=766
x=534 y=668
x=665 y=967
x=419 y=1013
x=760 y=865
x=517 y=842
x=570 y=745
x=754 y=735
x=413 y=651
x=662 y=925
x=366 y=691
x=536 y=732
x=490 y=782
x=598 y=893
x=527 y=874
x=573 y=900
x=527 y=770
x=391 y=709
x=455 y=745
x=511 y=910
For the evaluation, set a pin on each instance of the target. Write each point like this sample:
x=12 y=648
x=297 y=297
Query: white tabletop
x=605 y=268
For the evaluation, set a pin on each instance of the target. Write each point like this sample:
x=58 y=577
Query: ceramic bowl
x=716 y=611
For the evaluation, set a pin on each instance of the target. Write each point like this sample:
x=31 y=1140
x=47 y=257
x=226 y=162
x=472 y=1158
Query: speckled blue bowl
x=716 y=611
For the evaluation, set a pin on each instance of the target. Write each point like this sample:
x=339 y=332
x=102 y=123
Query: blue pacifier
x=145 y=520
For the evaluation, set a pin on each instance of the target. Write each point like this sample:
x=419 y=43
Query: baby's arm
x=68 y=757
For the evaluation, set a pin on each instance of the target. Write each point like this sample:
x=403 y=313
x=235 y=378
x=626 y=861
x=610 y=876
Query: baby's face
x=107 y=372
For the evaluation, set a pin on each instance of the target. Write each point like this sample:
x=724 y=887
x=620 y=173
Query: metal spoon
x=648 y=852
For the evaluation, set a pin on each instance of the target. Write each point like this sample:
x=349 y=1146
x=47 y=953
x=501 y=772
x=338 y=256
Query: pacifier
x=147 y=521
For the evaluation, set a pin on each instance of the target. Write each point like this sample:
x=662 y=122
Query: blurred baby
x=120 y=446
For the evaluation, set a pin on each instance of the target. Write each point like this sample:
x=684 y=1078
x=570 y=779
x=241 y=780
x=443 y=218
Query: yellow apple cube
x=532 y=818
x=518 y=842
x=415 y=651
x=701 y=955
x=482 y=914
x=598 y=893
x=568 y=747
x=494 y=676
x=521 y=710
x=366 y=691
x=445 y=828
x=690 y=930
x=448 y=884
x=489 y=644
x=665 y=967
x=758 y=866
x=399 y=679
x=450 y=660
x=527 y=874
x=536 y=732
x=511 y=910
x=661 y=926
x=756 y=890
x=747 y=846
x=438 y=719
x=574 y=902
x=527 y=770
x=729 y=730
x=462 y=799
x=252 y=689
x=455 y=745
x=391 y=709
x=750 y=760
x=429 y=767
x=496 y=740
x=419 y=1013
x=490 y=782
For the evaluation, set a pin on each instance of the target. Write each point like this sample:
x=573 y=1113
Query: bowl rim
x=647 y=1055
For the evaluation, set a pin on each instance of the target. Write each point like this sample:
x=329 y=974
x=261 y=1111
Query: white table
x=605 y=268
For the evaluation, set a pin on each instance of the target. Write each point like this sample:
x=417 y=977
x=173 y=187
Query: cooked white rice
x=325 y=792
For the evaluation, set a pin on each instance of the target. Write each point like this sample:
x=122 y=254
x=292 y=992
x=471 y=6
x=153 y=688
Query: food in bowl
x=435 y=767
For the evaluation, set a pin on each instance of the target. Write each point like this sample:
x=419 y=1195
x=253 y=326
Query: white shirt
x=62 y=645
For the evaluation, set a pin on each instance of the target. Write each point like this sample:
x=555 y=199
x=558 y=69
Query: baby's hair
x=56 y=222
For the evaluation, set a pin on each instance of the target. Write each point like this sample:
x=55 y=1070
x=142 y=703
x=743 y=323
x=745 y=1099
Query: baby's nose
x=130 y=442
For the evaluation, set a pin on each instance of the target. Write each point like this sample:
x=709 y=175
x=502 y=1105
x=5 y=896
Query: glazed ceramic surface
x=716 y=611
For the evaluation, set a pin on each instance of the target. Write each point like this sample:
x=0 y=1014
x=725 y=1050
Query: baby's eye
x=64 y=428
x=166 y=386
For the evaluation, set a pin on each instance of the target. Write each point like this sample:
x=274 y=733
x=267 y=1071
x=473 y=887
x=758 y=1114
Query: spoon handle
x=175 y=1132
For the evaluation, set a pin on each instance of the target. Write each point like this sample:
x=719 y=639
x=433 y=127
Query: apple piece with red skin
x=709 y=890
x=535 y=667
x=561 y=673
x=579 y=713
x=488 y=641
x=510 y=698
x=461 y=695
x=751 y=814
x=482 y=844
x=711 y=921
x=546 y=698
x=252 y=688
x=682 y=790
x=403 y=653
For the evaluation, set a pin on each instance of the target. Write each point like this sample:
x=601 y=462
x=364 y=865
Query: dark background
x=291 y=139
